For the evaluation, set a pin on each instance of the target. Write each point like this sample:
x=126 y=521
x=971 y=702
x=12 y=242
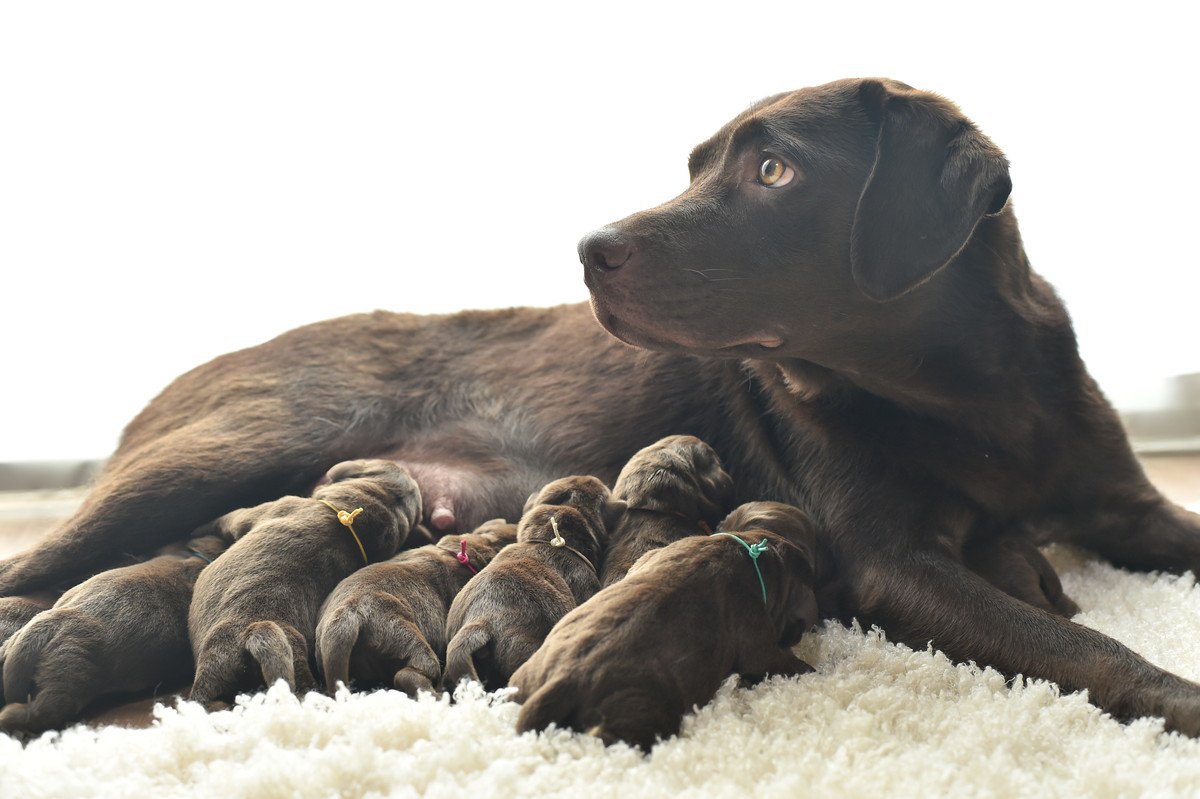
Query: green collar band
x=753 y=550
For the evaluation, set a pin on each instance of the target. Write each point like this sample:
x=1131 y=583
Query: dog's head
x=810 y=218
x=677 y=474
x=587 y=495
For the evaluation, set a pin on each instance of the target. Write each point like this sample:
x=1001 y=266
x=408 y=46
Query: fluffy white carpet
x=876 y=720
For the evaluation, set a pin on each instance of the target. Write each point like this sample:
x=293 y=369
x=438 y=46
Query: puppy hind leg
x=634 y=716
x=553 y=703
x=56 y=663
x=390 y=639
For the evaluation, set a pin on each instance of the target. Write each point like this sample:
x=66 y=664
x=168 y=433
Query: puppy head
x=793 y=547
x=786 y=521
x=541 y=522
x=805 y=217
x=390 y=498
x=585 y=494
x=482 y=544
x=496 y=532
x=677 y=474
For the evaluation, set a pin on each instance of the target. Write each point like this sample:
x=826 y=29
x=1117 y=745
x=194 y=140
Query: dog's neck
x=946 y=350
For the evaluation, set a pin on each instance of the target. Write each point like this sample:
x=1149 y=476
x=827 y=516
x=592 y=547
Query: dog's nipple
x=442 y=518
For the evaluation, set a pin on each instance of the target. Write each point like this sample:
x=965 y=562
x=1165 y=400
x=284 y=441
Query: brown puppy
x=258 y=605
x=630 y=662
x=123 y=630
x=386 y=624
x=17 y=611
x=674 y=488
x=501 y=618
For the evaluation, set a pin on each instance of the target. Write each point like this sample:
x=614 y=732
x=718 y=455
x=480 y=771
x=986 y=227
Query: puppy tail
x=336 y=638
x=268 y=644
x=22 y=653
x=460 y=653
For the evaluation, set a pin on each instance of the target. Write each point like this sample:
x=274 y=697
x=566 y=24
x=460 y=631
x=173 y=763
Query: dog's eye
x=775 y=173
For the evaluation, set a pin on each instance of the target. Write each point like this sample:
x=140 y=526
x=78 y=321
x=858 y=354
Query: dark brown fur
x=253 y=614
x=501 y=617
x=386 y=623
x=122 y=631
x=630 y=662
x=868 y=342
x=673 y=488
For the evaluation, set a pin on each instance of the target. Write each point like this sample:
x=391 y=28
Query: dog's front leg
x=922 y=597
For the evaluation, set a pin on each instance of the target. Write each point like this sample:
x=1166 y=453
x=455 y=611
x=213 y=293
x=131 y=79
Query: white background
x=178 y=180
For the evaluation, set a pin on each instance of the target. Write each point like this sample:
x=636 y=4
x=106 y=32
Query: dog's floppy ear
x=935 y=176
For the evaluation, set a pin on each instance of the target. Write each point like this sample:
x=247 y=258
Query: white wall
x=177 y=180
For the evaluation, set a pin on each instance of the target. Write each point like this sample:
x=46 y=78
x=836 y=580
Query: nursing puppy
x=17 y=611
x=630 y=662
x=386 y=624
x=257 y=607
x=674 y=488
x=502 y=616
x=121 y=631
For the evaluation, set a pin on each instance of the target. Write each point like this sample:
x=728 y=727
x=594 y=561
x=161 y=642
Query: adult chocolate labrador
x=839 y=303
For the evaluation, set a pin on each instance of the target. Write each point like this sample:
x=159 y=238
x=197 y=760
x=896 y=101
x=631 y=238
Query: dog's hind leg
x=1149 y=535
x=922 y=597
x=1016 y=567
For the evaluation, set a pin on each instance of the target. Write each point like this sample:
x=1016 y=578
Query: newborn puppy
x=123 y=630
x=254 y=612
x=501 y=617
x=630 y=662
x=17 y=611
x=386 y=624
x=674 y=488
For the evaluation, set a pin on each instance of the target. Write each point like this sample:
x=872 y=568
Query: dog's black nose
x=604 y=249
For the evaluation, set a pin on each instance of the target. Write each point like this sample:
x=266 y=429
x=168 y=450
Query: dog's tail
x=22 y=654
x=336 y=637
x=268 y=644
x=461 y=652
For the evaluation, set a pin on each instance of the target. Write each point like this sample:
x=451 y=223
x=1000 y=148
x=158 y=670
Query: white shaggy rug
x=875 y=720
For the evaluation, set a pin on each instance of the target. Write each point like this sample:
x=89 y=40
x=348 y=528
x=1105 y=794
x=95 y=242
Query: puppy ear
x=800 y=617
x=935 y=176
x=614 y=510
x=530 y=501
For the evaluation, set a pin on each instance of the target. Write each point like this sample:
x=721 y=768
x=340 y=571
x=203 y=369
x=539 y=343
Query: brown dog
x=839 y=302
x=258 y=605
x=629 y=663
x=673 y=488
x=501 y=617
x=122 y=631
x=386 y=624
